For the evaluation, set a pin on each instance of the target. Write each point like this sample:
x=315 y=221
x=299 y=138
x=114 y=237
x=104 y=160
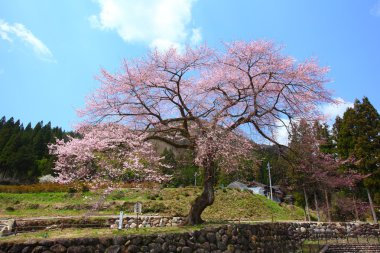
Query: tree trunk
x=305 y=214
x=356 y=208
x=327 y=206
x=372 y=207
x=205 y=199
x=316 y=206
x=306 y=205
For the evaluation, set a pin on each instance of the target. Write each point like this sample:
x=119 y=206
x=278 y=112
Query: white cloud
x=330 y=112
x=157 y=23
x=196 y=36
x=8 y=31
x=282 y=135
x=4 y=35
x=375 y=11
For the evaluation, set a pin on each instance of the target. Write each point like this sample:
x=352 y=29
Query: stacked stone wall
x=261 y=237
x=26 y=225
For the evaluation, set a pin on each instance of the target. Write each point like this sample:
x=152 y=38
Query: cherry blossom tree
x=206 y=100
x=104 y=155
x=312 y=170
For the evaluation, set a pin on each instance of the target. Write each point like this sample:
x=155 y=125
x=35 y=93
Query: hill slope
x=230 y=204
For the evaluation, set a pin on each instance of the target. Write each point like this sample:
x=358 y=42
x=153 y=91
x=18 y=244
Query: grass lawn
x=90 y=232
x=230 y=204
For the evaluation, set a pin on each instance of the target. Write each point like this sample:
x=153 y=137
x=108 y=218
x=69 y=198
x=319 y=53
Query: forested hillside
x=24 y=154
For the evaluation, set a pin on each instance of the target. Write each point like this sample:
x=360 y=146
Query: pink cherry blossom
x=104 y=155
x=204 y=100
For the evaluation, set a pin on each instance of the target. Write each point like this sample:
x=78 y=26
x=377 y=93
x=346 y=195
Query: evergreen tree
x=269 y=154
x=358 y=141
x=170 y=162
x=357 y=135
x=314 y=170
x=24 y=155
x=301 y=156
x=324 y=138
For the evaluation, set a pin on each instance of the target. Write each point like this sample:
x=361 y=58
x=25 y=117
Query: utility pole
x=371 y=206
x=270 y=182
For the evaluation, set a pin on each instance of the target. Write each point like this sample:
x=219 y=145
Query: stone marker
x=121 y=220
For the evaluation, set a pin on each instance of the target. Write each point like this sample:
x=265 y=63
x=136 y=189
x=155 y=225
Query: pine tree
x=170 y=162
x=358 y=140
x=303 y=147
x=24 y=155
x=324 y=137
x=314 y=170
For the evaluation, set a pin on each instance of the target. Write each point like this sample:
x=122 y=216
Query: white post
x=121 y=220
x=195 y=179
x=270 y=182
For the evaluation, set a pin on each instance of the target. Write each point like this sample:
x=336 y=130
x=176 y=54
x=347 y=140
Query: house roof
x=238 y=185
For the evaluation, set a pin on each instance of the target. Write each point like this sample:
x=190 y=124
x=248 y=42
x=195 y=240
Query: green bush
x=154 y=207
x=85 y=188
x=72 y=190
x=10 y=209
x=33 y=206
x=154 y=197
x=117 y=195
x=184 y=176
x=126 y=206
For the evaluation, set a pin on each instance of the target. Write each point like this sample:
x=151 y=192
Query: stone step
x=351 y=248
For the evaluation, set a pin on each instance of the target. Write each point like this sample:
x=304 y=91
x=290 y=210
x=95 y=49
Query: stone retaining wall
x=128 y=222
x=339 y=248
x=333 y=230
x=263 y=237
x=147 y=222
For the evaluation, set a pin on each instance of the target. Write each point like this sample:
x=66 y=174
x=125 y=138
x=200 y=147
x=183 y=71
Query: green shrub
x=45 y=235
x=72 y=190
x=85 y=188
x=154 y=197
x=154 y=207
x=117 y=195
x=69 y=195
x=126 y=206
x=10 y=209
x=184 y=176
x=33 y=206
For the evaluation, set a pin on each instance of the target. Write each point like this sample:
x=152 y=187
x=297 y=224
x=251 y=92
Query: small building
x=261 y=189
x=238 y=185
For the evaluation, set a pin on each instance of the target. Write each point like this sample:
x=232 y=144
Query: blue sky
x=50 y=51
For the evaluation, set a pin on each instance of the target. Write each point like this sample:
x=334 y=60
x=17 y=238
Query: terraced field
x=230 y=204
